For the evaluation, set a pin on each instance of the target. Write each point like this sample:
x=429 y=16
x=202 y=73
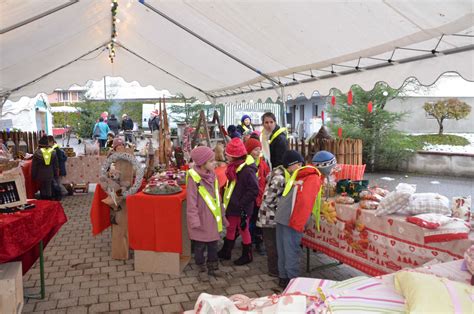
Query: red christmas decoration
x=339 y=132
x=322 y=116
x=370 y=107
x=349 y=97
x=333 y=100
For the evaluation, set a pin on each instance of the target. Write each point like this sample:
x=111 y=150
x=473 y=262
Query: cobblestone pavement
x=81 y=277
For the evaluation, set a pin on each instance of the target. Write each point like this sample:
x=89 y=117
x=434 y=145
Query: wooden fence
x=347 y=151
x=30 y=138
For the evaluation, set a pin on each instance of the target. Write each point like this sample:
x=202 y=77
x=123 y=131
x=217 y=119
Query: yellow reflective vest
x=47 y=153
x=229 y=188
x=214 y=204
x=275 y=135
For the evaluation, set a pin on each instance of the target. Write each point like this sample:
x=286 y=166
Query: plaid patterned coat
x=271 y=196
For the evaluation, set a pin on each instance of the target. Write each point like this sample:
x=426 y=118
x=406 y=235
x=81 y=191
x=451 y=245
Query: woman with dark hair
x=274 y=141
x=245 y=127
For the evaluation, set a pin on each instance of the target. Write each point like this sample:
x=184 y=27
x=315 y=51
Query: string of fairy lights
x=113 y=37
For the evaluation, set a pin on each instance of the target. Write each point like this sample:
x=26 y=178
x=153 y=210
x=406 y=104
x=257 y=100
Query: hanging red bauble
x=322 y=116
x=349 y=97
x=370 y=107
x=339 y=132
x=333 y=100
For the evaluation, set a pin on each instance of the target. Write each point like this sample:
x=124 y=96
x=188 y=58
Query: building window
x=65 y=96
x=315 y=110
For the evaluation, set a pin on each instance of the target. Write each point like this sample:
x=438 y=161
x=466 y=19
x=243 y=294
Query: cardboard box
x=11 y=288
x=166 y=262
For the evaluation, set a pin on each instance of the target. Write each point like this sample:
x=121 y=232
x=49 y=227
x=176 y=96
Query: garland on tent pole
x=113 y=37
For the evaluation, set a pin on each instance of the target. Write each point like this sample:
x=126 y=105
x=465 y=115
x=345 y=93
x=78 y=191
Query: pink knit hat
x=235 y=148
x=201 y=155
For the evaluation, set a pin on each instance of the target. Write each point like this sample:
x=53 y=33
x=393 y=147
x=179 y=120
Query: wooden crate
x=11 y=288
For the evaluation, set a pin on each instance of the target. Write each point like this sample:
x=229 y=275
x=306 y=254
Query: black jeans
x=102 y=143
x=269 y=239
x=200 y=247
x=255 y=232
x=46 y=189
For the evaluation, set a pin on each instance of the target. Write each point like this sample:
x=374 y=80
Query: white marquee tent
x=230 y=50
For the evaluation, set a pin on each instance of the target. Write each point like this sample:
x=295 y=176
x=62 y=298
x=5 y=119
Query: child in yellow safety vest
x=239 y=198
x=204 y=215
x=300 y=199
x=44 y=167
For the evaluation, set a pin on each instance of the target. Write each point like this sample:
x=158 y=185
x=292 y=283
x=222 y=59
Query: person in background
x=110 y=140
x=254 y=149
x=233 y=132
x=100 y=131
x=154 y=125
x=113 y=124
x=245 y=127
x=58 y=190
x=239 y=199
x=44 y=168
x=204 y=210
x=300 y=199
x=127 y=127
x=274 y=141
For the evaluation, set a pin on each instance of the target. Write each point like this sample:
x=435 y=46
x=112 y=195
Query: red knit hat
x=235 y=148
x=251 y=144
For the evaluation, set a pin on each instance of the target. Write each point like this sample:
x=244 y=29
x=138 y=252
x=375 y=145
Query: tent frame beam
x=355 y=69
x=37 y=17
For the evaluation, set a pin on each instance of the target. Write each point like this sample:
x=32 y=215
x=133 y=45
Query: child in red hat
x=239 y=198
x=254 y=149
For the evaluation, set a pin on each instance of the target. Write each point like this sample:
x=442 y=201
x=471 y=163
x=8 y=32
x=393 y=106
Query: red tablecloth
x=21 y=232
x=59 y=131
x=31 y=186
x=100 y=212
x=154 y=222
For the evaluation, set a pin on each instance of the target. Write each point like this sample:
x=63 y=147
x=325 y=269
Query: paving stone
x=179 y=298
x=140 y=303
x=48 y=305
x=128 y=295
x=118 y=288
x=172 y=283
x=99 y=291
x=160 y=300
x=89 y=284
x=166 y=291
x=90 y=299
x=172 y=308
x=68 y=302
x=136 y=287
x=132 y=311
x=111 y=297
x=79 y=293
x=154 y=285
x=188 y=305
x=251 y=287
x=147 y=293
x=143 y=279
x=125 y=280
x=77 y=310
x=234 y=290
x=152 y=310
x=99 y=308
x=108 y=282
x=185 y=289
x=59 y=295
x=189 y=280
x=120 y=305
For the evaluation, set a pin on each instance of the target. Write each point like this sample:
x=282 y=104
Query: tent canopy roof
x=223 y=49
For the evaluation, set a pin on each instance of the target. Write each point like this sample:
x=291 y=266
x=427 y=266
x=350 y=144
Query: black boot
x=246 y=255
x=226 y=251
x=213 y=269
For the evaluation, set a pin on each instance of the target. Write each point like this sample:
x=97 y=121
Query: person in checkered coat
x=266 y=216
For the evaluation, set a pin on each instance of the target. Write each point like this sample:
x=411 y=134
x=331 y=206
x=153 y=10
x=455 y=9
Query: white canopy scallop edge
x=230 y=50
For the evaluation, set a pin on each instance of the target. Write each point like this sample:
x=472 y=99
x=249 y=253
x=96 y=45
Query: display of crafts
x=166 y=182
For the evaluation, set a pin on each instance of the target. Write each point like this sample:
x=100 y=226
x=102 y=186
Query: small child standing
x=203 y=208
x=298 y=201
x=254 y=149
x=239 y=199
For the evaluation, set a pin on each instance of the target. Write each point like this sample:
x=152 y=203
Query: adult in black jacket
x=44 y=168
x=274 y=141
x=154 y=121
x=127 y=127
x=113 y=124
